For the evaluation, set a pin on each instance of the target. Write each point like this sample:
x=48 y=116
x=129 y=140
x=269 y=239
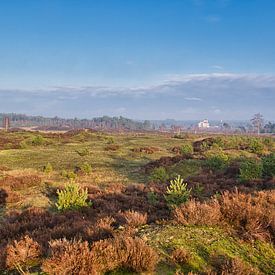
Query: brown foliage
x=24 y=252
x=197 y=213
x=163 y=162
x=124 y=252
x=146 y=150
x=134 y=218
x=68 y=257
x=20 y=182
x=111 y=147
x=75 y=257
x=230 y=266
x=180 y=256
x=251 y=217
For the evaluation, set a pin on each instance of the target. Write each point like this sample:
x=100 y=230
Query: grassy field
x=124 y=174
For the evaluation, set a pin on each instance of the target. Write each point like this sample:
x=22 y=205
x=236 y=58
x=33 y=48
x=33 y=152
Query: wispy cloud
x=242 y=94
x=216 y=67
x=193 y=98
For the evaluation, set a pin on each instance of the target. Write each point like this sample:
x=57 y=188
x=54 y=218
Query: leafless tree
x=257 y=122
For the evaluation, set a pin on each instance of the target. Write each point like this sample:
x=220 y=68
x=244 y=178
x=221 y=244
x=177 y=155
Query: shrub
x=125 y=252
x=38 y=140
x=72 y=197
x=48 y=168
x=23 y=144
x=186 y=149
x=152 y=198
x=250 y=169
x=69 y=175
x=134 y=218
x=68 y=257
x=110 y=140
x=75 y=257
x=86 y=168
x=83 y=152
x=230 y=266
x=159 y=175
x=269 y=165
x=198 y=213
x=180 y=256
x=22 y=254
x=255 y=146
x=218 y=161
x=249 y=217
x=177 y=192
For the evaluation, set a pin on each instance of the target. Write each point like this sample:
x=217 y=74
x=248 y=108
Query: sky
x=143 y=59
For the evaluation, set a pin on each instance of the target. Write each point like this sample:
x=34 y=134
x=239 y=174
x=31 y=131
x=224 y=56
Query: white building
x=204 y=124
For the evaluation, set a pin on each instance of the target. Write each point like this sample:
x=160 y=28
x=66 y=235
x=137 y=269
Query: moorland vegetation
x=87 y=202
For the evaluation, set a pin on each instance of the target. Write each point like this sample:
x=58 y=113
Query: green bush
x=250 y=169
x=186 y=149
x=23 y=144
x=152 y=198
x=159 y=175
x=86 y=168
x=255 y=146
x=83 y=152
x=72 y=197
x=48 y=168
x=68 y=174
x=269 y=165
x=177 y=192
x=217 y=161
x=38 y=140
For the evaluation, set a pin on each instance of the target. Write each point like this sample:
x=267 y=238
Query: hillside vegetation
x=87 y=202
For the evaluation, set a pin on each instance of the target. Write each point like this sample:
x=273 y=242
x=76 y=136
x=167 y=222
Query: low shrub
x=159 y=175
x=48 y=168
x=198 y=213
x=72 y=197
x=250 y=169
x=255 y=146
x=269 y=165
x=134 y=218
x=140 y=256
x=69 y=175
x=180 y=256
x=217 y=161
x=230 y=266
x=37 y=140
x=249 y=217
x=22 y=254
x=177 y=192
x=83 y=152
x=86 y=168
x=75 y=257
x=68 y=257
x=186 y=149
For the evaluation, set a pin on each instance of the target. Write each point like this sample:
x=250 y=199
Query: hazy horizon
x=183 y=60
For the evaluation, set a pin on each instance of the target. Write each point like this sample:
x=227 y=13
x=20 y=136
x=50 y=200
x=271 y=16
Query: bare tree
x=257 y=122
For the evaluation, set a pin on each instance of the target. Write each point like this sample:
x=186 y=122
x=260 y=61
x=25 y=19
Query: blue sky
x=156 y=59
